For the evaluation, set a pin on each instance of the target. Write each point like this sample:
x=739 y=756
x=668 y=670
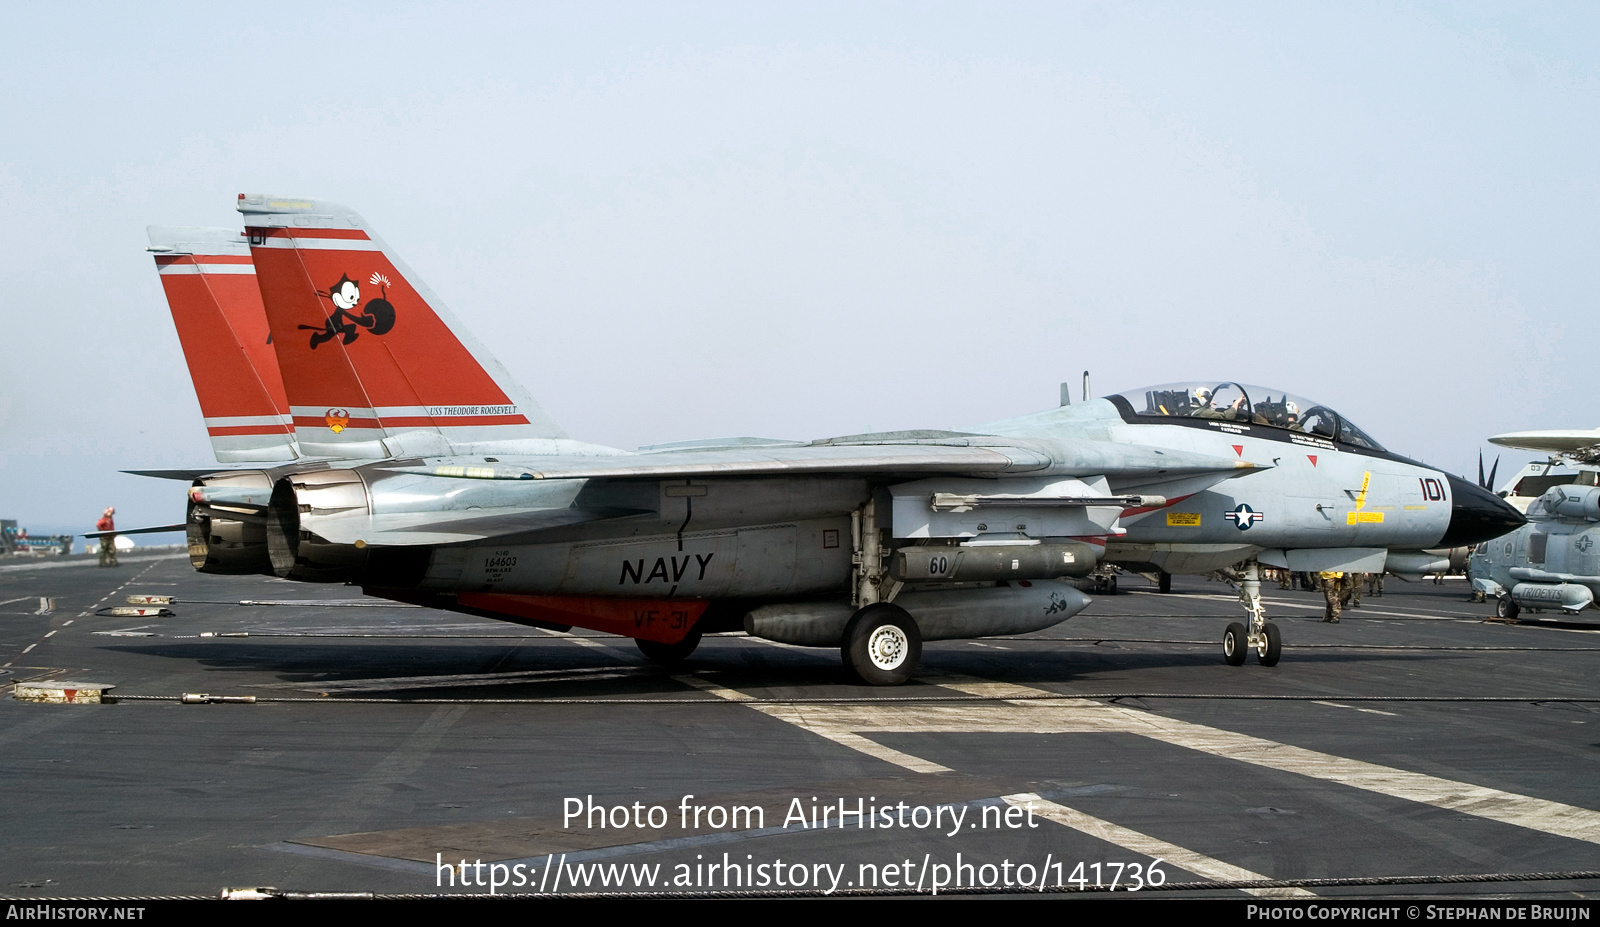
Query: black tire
x=1165 y=582
x=1271 y=646
x=669 y=654
x=882 y=645
x=1506 y=609
x=1235 y=644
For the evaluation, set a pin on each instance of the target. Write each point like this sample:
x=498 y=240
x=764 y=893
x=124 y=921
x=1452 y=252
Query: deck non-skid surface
x=386 y=740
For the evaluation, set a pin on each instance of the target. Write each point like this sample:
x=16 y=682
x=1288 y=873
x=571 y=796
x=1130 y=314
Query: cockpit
x=1202 y=402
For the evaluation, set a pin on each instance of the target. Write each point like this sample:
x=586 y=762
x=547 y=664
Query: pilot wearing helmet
x=1204 y=409
x=1291 y=416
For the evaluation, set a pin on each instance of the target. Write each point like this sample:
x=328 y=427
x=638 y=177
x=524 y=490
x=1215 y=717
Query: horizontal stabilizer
x=184 y=475
x=160 y=529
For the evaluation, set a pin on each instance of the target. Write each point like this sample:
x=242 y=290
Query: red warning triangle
x=1239 y=449
x=1312 y=458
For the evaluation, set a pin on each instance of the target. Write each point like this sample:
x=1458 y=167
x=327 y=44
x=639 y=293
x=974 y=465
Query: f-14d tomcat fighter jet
x=409 y=463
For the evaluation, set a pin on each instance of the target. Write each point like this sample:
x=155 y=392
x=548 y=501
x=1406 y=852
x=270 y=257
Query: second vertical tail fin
x=210 y=284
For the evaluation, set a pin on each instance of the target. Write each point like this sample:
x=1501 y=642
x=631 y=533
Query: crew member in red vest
x=108 y=542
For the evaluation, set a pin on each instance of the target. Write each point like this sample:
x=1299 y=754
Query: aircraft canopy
x=1246 y=405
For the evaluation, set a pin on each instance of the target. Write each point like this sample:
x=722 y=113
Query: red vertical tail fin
x=373 y=363
x=210 y=284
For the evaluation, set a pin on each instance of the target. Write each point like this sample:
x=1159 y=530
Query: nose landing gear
x=1262 y=636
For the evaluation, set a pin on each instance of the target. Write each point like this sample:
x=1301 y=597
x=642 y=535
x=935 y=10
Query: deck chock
x=129 y=611
x=61 y=693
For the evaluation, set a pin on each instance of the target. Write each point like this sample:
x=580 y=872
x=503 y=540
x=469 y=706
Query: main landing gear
x=882 y=644
x=1262 y=636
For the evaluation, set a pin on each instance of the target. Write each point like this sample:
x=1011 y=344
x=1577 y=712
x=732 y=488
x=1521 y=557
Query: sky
x=689 y=220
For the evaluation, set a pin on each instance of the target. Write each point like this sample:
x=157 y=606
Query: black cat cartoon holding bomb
x=346 y=321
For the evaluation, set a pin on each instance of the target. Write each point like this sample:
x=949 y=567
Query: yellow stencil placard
x=1363 y=518
x=1183 y=519
x=1361 y=497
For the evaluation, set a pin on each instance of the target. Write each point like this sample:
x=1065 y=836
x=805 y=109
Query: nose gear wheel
x=1233 y=644
x=1269 y=645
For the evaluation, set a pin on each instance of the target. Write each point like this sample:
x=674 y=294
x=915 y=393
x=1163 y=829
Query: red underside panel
x=663 y=620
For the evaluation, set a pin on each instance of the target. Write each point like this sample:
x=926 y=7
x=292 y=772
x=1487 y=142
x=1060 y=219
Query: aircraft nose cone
x=1476 y=514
